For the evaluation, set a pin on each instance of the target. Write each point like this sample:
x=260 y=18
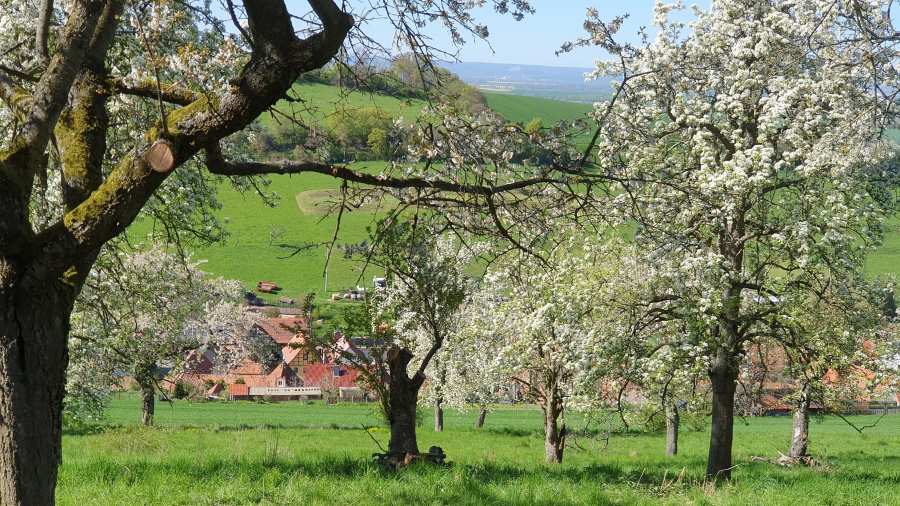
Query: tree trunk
x=723 y=378
x=438 y=416
x=144 y=376
x=481 y=416
x=404 y=393
x=33 y=360
x=800 y=438
x=148 y=407
x=554 y=434
x=672 y=422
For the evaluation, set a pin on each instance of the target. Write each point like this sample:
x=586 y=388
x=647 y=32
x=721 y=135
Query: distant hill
x=561 y=83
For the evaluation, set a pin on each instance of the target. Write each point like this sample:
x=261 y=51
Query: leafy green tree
x=379 y=143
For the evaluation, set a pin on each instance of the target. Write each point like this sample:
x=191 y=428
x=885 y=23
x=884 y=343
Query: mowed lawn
x=297 y=453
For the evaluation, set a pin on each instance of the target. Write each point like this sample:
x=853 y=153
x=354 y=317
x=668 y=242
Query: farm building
x=299 y=372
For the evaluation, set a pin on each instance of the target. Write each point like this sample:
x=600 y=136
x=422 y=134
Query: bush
x=183 y=390
x=351 y=127
x=379 y=143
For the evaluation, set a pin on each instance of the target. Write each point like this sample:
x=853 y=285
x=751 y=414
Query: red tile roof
x=283 y=329
x=315 y=374
x=289 y=354
x=282 y=371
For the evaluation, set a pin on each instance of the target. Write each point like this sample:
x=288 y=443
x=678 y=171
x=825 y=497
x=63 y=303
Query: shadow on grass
x=91 y=430
x=484 y=482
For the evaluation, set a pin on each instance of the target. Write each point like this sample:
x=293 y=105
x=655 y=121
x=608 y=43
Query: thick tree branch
x=217 y=165
x=82 y=127
x=43 y=30
x=276 y=62
x=147 y=89
x=50 y=94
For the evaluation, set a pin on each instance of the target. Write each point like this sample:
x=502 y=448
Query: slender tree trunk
x=482 y=414
x=33 y=357
x=673 y=420
x=554 y=433
x=800 y=437
x=438 y=416
x=723 y=376
x=148 y=407
x=404 y=393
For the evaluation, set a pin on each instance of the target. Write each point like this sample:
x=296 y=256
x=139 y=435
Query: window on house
x=281 y=382
x=336 y=372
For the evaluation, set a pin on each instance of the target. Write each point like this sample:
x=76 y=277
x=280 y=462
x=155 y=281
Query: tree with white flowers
x=417 y=313
x=749 y=153
x=147 y=309
x=546 y=327
x=472 y=356
x=835 y=341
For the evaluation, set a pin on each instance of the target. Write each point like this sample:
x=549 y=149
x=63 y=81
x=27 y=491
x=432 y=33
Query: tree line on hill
x=366 y=132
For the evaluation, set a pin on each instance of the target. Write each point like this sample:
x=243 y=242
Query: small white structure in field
x=379 y=282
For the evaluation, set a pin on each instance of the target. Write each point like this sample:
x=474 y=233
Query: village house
x=300 y=371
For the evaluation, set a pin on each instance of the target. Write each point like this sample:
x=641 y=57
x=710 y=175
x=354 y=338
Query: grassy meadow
x=299 y=453
x=523 y=109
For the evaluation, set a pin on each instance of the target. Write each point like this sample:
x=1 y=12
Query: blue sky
x=535 y=39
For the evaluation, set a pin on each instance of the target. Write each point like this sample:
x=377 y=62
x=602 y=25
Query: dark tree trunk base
x=673 y=420
x=723 y=377
x=33 y=359
x=396 y=461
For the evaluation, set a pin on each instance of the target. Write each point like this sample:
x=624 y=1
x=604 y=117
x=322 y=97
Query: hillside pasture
x=298 y=453
x=523 y=109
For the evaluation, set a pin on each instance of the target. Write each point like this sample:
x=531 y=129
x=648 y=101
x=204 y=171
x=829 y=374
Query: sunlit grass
x=206 y=453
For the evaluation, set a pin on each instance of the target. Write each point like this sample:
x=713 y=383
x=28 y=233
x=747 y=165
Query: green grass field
x=320 y=100
x=255 y=248
x=296 y=453
x=523 y=109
